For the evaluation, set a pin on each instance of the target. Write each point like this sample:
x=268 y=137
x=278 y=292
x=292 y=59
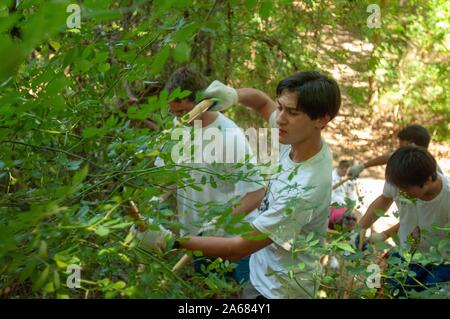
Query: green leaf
x=30 y=266
x=102 y=231
x=43 y=249
x=159 y=61
x=212 y=181
x=74 y=165
x=103 y=67
x=71 y=56
x=264 y=11
x=55 y=44
x=250 y=4
x=56 y=280
x=380 y=212
x=120 y=225
x=152 y=153
x=345 y=247
x=91 y=132
x=119 y=285
x=327 y=279
x=112 y=121
x=83 y=65
x=185 y=33
x=79 y=176
x=196 y=187
x=181 y=52
x=101 y=57
x=41 y=279
x=58 y=103
x=49 y=287
x=11 y=56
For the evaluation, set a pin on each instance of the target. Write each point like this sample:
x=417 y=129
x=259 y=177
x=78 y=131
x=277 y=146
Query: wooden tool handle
x=341 y=182
x=200 y=108
x=186 y=259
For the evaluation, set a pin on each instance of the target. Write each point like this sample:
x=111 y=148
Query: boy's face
x=181 y=107
x=415 y=191
x=295 y=126
x=342 y=171
x=349 y=222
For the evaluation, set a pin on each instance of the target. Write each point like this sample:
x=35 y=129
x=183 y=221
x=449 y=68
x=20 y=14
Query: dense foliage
x=83 y=117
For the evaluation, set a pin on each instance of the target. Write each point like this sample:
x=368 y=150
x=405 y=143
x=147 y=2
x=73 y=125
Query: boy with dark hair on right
x=422 y=195
x=415 y=135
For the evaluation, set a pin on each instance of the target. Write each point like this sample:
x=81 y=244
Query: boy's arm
x=249 y=202
x=391 y=231
x=377 y=161
x=257 y=100
x=355 y=170
x=228 y=96
x=170 y=190
x=233 y=248
x=381 y=203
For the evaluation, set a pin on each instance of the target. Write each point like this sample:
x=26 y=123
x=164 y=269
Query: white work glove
x=151 y=240
x=377 y=237
x=355 y=170
x=226 y=95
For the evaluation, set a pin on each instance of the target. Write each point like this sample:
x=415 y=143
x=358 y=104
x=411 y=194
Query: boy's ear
x=321 y=122
x=430 y=180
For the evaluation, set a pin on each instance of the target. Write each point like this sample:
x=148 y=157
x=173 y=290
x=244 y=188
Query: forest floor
x=356 y=133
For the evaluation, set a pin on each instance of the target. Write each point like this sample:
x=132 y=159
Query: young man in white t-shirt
x=422 y=195
x=297 y=200
x=191 y=201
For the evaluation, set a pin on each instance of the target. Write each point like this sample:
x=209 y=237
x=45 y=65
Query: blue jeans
x=241 y=273
x=427 y=275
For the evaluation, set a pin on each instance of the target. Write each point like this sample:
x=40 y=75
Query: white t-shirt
x=191 y=203
x=422 y=214
x=346 y=190
x=296 y=203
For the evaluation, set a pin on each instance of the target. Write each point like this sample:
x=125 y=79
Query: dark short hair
x=410 y=165
x=416 y=134
x=186 y=79
x=318 y=95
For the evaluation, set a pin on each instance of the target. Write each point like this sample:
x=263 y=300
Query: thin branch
x=57 y=150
